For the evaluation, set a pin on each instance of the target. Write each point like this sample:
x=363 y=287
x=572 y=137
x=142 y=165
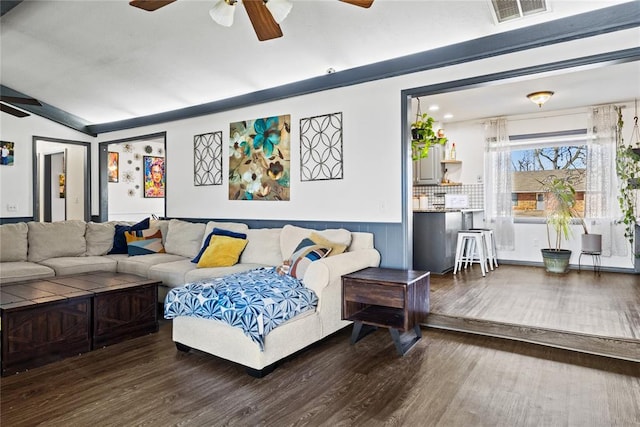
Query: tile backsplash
x=435 y=194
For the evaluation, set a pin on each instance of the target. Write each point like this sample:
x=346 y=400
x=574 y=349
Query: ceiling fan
x=265 y=15
x=6 y=108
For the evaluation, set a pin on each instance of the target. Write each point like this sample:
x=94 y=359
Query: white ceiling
x=105 y=61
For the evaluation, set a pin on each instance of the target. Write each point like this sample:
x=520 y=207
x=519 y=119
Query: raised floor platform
x=581 y=311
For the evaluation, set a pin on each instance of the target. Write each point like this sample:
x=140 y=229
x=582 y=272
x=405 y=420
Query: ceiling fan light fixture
x=279 y=9
x=222 y=12
x=540 y=97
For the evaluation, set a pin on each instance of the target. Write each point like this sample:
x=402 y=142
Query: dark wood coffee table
x=390 y=298
x=48 y=320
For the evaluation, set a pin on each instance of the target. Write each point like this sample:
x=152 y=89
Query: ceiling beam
x=7 y=5
x=47 y=111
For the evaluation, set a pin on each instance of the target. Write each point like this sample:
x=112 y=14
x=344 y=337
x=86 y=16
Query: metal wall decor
x=321 y=147
x=207 y=159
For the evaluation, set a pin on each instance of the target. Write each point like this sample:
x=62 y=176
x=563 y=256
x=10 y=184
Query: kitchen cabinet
x=435 y=236
x=428 y=170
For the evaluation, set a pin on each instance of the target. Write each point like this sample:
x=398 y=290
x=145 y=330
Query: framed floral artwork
x=259 y=159
x=153 y=176
x=113 y=166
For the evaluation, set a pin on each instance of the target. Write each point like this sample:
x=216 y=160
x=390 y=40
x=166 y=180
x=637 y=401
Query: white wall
x=16 y=182
x=371 y=188
x=126 y=199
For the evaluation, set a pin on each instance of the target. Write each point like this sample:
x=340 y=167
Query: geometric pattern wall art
x=207 y=159
x=259 y=159
x=321 y=147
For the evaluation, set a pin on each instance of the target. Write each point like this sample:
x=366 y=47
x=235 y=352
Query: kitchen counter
x=435 y=210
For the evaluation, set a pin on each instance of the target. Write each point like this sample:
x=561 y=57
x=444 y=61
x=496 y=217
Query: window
x=533 y=159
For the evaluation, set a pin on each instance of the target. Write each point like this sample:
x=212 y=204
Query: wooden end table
x=389 y=298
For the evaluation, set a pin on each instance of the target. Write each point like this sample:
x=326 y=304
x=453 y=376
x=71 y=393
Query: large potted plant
x=423 y=136
x=560 y=211
x=628 y=171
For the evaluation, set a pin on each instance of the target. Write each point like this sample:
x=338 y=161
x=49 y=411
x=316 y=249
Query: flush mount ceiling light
x=540 y=97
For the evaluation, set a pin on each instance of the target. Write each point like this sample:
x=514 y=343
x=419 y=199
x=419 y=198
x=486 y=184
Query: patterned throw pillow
x=143 y=242
x=304 y=256
x=120 y=242
x=336 y=248
x=216 y=232
x=223 y=251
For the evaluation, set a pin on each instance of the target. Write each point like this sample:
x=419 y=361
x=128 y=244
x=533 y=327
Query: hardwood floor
x=447 y=379
x=607 y=304
x=581 y=310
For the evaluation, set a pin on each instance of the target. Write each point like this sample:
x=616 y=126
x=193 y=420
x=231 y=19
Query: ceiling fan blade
x=150 y=5
x=362 y=3
x=19 y=100
x=264 y=25
x=14 y=112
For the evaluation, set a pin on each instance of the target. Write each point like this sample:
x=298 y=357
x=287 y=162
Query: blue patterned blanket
x=256 y=301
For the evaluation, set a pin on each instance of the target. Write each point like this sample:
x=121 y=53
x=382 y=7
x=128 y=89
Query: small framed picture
x=113 y=166
x=7 y=153
x=153 y=176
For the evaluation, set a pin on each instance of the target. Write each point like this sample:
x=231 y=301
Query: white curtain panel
x=498 y=186
x=601 y=204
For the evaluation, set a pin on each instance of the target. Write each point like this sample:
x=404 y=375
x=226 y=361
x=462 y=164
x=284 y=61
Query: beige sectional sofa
x=39 y=250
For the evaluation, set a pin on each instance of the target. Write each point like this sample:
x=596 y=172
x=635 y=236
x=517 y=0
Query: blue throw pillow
x=217 y=232
x=119 y=240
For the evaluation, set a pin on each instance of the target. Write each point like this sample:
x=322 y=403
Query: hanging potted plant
x=560 y=202
x=423 y=136
x=628 y=171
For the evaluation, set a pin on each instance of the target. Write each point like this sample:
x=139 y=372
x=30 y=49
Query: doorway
x=61 y=180
x=54 y=200
x=125 y=174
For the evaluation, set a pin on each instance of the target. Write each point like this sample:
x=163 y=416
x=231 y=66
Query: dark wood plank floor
x=447 y=379
x=607 y=304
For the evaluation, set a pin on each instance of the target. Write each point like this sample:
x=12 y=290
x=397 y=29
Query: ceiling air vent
x=506 y=10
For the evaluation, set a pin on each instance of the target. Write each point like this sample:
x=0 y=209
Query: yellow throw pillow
x=336 y=248
x=223 y=251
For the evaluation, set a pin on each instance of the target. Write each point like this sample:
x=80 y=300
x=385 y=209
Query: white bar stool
x=470 y=248
x=492 y=254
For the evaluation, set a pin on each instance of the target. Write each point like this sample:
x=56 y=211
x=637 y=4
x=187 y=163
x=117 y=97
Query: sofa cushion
x=184 y=238
x=236 y=227
x=56 y=239
x=223 y=251
x=119 y=241
x=140 y=264
x=13 y=242
x=163 y=225
x=292 y=235
x=18 y=271
x=143 y=242
x=216 y=232
x=208 y=273
x=263 y=247
x=171 y=273
x=76 y=265
x=99 y=237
